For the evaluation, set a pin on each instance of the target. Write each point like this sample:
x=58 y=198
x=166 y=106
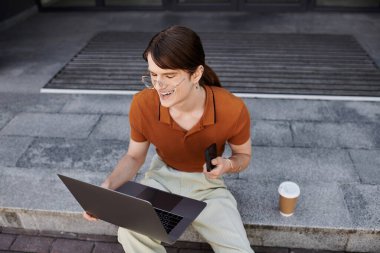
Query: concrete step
x=330 y=148
x=329 y=215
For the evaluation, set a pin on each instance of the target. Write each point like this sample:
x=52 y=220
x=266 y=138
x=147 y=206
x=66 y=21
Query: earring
x=197 y=86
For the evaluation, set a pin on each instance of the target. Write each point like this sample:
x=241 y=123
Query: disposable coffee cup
x=289 y=193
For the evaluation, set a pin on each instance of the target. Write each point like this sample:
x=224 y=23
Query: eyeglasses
x=152 y=83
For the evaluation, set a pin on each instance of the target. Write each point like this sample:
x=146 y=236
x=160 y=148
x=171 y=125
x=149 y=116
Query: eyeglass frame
x=152 y=85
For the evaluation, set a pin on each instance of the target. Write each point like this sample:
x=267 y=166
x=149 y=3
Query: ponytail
x=209 y=77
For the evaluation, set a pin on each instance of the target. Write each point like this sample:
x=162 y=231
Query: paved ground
x=30 y=242
x=330 y=148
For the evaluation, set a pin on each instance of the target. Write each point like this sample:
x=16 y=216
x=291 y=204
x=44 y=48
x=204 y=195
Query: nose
x=159 y=81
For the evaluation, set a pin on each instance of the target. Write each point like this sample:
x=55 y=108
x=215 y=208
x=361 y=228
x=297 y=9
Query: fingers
x=210 y=174
x=105 y=184
x=88 y=216
x=218 y=171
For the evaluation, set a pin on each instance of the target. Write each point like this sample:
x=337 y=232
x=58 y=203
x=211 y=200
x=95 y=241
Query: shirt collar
x=209 y=115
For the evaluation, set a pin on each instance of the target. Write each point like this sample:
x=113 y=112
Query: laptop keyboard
x=168 y=220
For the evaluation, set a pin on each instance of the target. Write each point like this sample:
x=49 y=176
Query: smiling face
x=173 y=86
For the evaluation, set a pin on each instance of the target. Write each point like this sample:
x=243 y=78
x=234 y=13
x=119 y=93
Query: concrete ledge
x=35 y=199
x=259 y=235
x=58 y=221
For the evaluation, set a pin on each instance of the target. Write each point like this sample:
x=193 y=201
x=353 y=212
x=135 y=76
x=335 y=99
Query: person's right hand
x=88 y=216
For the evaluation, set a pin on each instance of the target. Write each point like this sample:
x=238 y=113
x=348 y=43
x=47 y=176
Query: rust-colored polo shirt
x=225 y=119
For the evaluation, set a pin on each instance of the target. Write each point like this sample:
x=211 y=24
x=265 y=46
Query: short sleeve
x=242 y=129
x=135 y=121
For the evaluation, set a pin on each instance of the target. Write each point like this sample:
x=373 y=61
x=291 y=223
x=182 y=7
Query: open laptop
x=143 y=209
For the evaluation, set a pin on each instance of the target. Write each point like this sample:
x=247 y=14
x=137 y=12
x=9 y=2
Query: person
x=182 y=111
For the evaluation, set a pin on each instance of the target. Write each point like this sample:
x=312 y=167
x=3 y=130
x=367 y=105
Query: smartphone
x=210 y=153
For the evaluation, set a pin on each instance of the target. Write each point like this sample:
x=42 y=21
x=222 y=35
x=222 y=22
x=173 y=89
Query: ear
x=197 y=75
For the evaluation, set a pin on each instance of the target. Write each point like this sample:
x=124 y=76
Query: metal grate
x=307 y=64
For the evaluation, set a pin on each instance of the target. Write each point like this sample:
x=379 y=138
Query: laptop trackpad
x=160 y=199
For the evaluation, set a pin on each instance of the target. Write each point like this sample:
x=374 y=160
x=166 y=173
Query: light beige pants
x=219 y=223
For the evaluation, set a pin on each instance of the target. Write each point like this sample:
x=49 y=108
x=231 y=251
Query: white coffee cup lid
x=289 y=189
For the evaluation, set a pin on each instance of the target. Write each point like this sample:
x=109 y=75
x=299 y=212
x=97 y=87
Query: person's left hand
x=222 y=166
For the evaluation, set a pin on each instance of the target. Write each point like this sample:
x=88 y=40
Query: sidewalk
x=330 y=148
x=31 y=242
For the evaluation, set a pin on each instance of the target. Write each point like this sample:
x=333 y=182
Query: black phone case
x=210 y=153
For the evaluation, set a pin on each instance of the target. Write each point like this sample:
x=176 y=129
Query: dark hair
x=178 y=47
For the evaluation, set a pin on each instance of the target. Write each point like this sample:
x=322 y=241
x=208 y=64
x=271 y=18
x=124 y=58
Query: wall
x=10 y=8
